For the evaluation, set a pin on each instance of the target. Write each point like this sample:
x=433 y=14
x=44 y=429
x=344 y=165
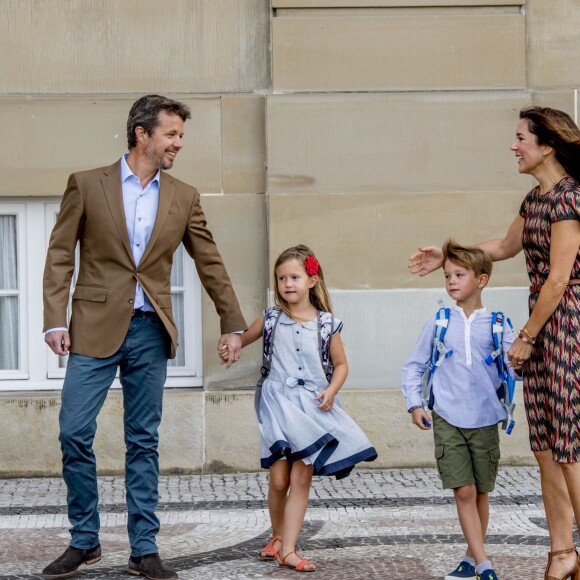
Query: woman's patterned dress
x=552 y=376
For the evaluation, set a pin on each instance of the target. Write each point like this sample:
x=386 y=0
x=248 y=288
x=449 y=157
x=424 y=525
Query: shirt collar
x=478 y=312
x=126 y=172
x=310 y=325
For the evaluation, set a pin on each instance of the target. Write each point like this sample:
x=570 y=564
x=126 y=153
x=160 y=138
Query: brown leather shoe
x=68 y=563
x=151 y=566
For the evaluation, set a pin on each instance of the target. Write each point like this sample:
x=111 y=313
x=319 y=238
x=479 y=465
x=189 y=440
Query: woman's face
x=528 y=153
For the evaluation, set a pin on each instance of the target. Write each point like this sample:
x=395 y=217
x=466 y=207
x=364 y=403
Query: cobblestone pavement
x=394 y=524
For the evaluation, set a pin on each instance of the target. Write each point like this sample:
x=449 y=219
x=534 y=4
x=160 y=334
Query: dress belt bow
x=295 y=382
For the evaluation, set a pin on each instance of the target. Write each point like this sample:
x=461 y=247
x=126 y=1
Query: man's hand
x=233 y=342
x=59 y=341
x=425 y=261
x=421 y=419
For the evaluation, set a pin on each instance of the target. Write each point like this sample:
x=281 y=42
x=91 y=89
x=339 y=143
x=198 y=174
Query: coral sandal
x=299 y=567
x=269 y=552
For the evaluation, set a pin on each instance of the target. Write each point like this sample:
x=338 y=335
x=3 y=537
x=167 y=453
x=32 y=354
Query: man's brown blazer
x=92 y=212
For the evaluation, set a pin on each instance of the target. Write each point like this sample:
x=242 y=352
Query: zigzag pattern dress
x=552 y=376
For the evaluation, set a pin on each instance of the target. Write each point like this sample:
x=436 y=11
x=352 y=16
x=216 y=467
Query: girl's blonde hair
x=319 y=297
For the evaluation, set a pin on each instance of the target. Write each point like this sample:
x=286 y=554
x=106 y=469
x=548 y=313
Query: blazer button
x=131 y=301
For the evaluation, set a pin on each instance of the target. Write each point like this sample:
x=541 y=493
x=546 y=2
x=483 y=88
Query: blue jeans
x=142 y=361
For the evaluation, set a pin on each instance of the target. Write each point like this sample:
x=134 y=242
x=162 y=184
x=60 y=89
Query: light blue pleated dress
x=290 y=422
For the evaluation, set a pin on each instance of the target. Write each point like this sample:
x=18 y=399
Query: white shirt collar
x=478 y=312
x=310 y=325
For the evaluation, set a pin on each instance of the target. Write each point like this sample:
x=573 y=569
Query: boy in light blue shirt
x=466 y=409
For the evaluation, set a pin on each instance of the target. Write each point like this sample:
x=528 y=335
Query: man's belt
x=139 y=313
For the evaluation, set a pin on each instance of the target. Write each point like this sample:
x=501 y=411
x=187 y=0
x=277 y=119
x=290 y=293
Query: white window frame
x=19 y=212
x=34 y=225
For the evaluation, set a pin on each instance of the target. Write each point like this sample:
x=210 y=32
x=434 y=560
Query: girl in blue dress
x=303 y=429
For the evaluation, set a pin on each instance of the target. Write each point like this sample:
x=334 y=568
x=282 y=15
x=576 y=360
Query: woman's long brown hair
x=557 y=129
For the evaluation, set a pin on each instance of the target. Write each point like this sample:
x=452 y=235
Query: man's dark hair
x=145 y=113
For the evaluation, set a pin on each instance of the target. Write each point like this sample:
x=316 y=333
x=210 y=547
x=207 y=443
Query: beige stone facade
x=364 y=128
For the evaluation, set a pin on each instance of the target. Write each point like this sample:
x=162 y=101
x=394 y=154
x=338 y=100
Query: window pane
x=177 y=269
x=179 y=360
x=8 y=252
x=62 y=362
x=9 y=333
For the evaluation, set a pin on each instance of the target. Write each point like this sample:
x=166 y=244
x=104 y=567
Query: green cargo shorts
x=466 y=456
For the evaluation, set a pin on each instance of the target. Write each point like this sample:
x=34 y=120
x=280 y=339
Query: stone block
x=238 y=224
x=392 y=3
x=29 y=431
x=393 y=143
x=136 y=46
x=553 y=43
x=364 y=240
x=383 y=417
x=381 y=327
x=50 y=138
x=565 y=100
x=232 y=436
x=385 y=52
x=30 y=423
x=244 y=143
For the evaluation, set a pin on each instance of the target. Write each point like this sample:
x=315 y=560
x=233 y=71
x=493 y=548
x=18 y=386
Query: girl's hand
x=519 y=353
x=425 y=261
x=327 y=397
x=224 y=353
x=421 y=419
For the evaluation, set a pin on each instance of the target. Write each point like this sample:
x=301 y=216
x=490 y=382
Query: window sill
x=22 y=384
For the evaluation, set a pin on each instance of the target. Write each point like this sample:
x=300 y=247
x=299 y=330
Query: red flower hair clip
x=311 y=266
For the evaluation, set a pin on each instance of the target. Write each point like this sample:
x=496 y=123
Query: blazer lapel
x=113 y=192
x=166 y=193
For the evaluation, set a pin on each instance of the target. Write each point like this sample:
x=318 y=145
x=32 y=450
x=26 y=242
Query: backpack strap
x=271 y=318
x=439 y=352
x=325 y=329
x=505 y=392
x=497 y=322
x=325 y=323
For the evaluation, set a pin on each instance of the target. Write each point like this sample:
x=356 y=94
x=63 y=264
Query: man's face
x=164 y=143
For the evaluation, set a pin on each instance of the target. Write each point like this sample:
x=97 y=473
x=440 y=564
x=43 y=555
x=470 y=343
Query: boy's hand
x=421 y=419
x=327 y=397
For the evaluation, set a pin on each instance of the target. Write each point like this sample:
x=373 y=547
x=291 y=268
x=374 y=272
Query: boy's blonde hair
x=468 y=257
x=319 y=297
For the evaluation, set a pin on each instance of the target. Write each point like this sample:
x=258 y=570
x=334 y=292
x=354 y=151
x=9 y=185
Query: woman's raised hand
x=426 y=260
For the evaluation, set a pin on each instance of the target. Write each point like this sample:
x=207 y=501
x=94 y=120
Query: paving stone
x=395 y=524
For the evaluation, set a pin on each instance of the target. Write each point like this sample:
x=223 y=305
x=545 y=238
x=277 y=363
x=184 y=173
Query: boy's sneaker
x=488 y=575
x=464 y=570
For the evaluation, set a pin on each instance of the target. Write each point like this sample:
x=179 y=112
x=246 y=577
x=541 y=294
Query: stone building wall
x=363 y=128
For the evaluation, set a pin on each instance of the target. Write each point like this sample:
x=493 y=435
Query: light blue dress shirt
x=140 y=206
x=464 y=386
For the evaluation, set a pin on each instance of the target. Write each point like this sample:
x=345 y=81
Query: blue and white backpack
x=440 y=352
